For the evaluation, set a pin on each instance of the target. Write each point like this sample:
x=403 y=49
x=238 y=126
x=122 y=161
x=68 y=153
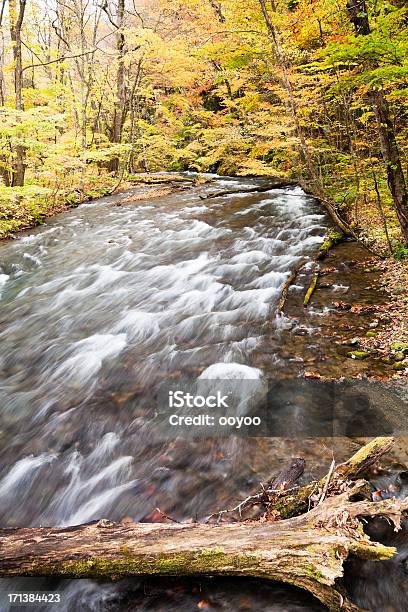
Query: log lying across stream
x=306 y=550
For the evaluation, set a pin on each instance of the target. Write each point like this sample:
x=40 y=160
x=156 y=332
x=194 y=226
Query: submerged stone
x=358 y=354
x=387 y=360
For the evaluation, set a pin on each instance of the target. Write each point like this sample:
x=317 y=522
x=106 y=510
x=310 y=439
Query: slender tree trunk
x=316 y=187
x=4 y=173
x=358 y=15
x=2 y=46
x=287 y=84
x=16 y=22
x=218 y=10
x=390 y=153
x=119 y=113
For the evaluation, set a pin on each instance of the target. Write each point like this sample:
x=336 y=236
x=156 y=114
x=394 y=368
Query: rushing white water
x=104 y=302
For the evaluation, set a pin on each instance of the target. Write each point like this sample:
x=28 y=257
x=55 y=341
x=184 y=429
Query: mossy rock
x=370 y=334
x=387 y=360
x=399 y=366
x=358 y=354
x=401 y=347
x=331 y=240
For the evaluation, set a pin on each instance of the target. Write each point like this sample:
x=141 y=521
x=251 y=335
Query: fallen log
x=307 y=551
x=288 y=283
x=331 y=240
x=255 y=189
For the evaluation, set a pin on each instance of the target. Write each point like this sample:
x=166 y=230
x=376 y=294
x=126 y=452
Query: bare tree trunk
x=218 y=10
x=390 y=153
x=119 y=113
x=16 y=22
x=4 y=173
x=2 y=47
x=282 y=63
x=358 y=14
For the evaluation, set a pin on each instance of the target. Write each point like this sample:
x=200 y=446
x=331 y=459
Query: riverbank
x=360 y=306
x=27 y=207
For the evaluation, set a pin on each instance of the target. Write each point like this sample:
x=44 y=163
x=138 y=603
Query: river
x=101 y=304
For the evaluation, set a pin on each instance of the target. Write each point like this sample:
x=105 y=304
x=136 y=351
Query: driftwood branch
x=284 y=481
x=288 y=283
x=311 y=289
x=307 y=551
x=301 y=500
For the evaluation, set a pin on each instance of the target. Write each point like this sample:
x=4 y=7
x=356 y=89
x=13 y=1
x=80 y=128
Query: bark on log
x=306 y=551
x=288 y=282
x=288 y=476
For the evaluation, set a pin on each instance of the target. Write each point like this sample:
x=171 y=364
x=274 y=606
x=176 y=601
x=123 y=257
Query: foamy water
x=105 y=302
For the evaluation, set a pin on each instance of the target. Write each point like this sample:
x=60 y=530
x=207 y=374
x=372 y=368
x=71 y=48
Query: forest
x=203 y=305
x=93 y=93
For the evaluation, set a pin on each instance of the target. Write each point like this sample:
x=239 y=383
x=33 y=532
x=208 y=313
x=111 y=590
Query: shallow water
x=101 y=305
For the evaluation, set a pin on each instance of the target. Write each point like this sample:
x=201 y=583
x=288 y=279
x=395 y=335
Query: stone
x=400 y=347
x=351 y=342
x=358 y=354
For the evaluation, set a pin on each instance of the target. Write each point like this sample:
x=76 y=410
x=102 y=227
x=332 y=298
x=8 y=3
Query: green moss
x=371 y=334
x=311 y=290
x=132 y=565
x=377 y=552
x=358 y=354
x=399 y=366
x=387 y=360
x=400 y=347
x=332 y=238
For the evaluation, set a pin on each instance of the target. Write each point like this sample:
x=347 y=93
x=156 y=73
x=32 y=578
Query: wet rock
x=351 y=342
x=358 y=354
x=342 y=305
x=301 y=331
x=387 y=360
x=400 y=347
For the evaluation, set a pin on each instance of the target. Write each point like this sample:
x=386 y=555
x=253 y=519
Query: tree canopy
x=314 y=90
